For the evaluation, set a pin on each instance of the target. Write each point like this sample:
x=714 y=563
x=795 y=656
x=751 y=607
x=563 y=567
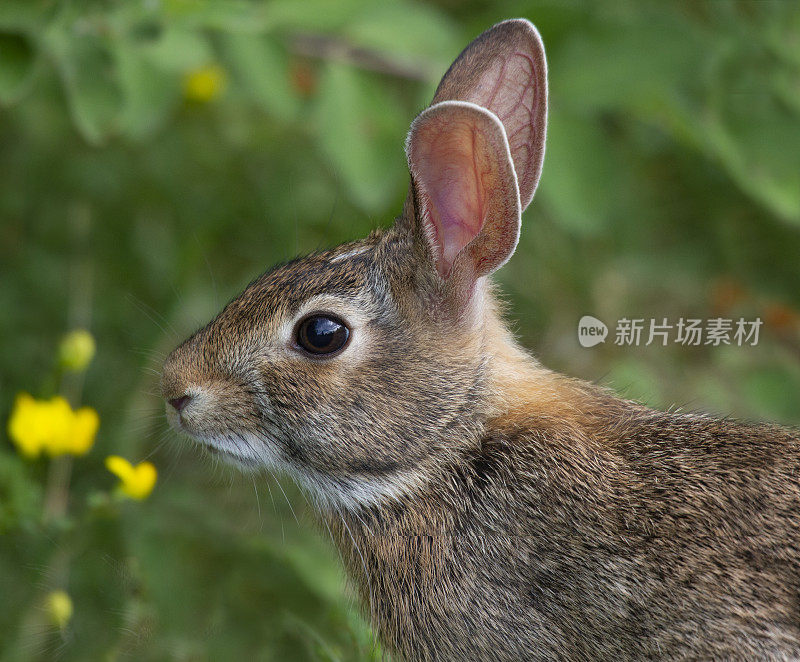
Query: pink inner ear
x=455 y=178
x=467 y=196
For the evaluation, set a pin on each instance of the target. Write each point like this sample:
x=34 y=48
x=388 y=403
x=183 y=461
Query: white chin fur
x=245 y=451
x=251 y=453
x=353 y=492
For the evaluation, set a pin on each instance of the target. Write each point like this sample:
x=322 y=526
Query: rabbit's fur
x=486 y=507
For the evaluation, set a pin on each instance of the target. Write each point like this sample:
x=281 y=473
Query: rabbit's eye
x=322 y=334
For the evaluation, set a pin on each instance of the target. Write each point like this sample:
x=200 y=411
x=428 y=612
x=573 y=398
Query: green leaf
x=27 y=15
x=418 y=36
x=752 y=132
x=763 y=159
x=224 y=15
x=17 y=66
x=707 y=89
x=261 y=67
x=314 y=15
x=87 y=71
x=361 y=132
x=178 y=50
x=579 y=173
x=238 y=16
x=20 y=496
x=149 y=93
x=622 y=66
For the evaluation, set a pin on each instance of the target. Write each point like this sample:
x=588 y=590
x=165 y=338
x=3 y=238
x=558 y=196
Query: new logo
x=591 y=331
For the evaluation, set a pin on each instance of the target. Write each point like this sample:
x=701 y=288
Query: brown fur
x=580 y=526
x=486 y=507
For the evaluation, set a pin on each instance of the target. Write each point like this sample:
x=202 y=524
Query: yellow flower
x=136 y=482
x=204 y=84
x=84 y=429
x=58 y=606
x=76 y=350
x=51 y=426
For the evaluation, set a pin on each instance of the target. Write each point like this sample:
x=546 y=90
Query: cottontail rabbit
x=486 y=507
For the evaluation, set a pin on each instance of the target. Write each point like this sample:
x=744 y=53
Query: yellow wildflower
x=84 y=429
x=135 y=481
x=204 y=84
x=51 y=426
x=58 y=606
x=76 y=350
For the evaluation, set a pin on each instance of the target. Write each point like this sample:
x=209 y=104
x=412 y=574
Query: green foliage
x=20 y=497
x=158 y=155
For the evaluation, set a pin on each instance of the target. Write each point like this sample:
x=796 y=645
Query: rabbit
x=485 y=507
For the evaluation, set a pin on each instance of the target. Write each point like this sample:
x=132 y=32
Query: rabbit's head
x=361 y=369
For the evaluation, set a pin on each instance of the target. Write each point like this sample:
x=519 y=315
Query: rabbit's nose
x=181 y=402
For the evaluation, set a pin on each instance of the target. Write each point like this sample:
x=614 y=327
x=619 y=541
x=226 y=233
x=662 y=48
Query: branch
x=326 y=47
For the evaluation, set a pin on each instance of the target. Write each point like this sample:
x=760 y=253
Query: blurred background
x=156 y=155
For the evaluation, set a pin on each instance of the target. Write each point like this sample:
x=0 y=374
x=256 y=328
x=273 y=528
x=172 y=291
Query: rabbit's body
x=613 y=532
x=488 y=508
x=570 y=524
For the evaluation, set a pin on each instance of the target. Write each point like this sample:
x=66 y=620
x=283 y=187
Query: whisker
x=288 y=502
x=258 y=504
x=210 y=270
x=152 y=315
x=363 y=565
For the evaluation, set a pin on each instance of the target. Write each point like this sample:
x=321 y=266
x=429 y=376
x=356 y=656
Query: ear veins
x=518 y=117
x=520 y=145
x=481 y=172
x=505 y=71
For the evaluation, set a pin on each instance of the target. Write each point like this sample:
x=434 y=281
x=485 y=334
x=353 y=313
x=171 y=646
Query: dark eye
x=322 y=334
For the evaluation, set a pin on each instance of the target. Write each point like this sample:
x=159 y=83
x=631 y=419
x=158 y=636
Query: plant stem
x=57 y=494
x=71 y=386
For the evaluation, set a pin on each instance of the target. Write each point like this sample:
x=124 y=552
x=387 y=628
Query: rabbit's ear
x=505 y=71
x=465 y=190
